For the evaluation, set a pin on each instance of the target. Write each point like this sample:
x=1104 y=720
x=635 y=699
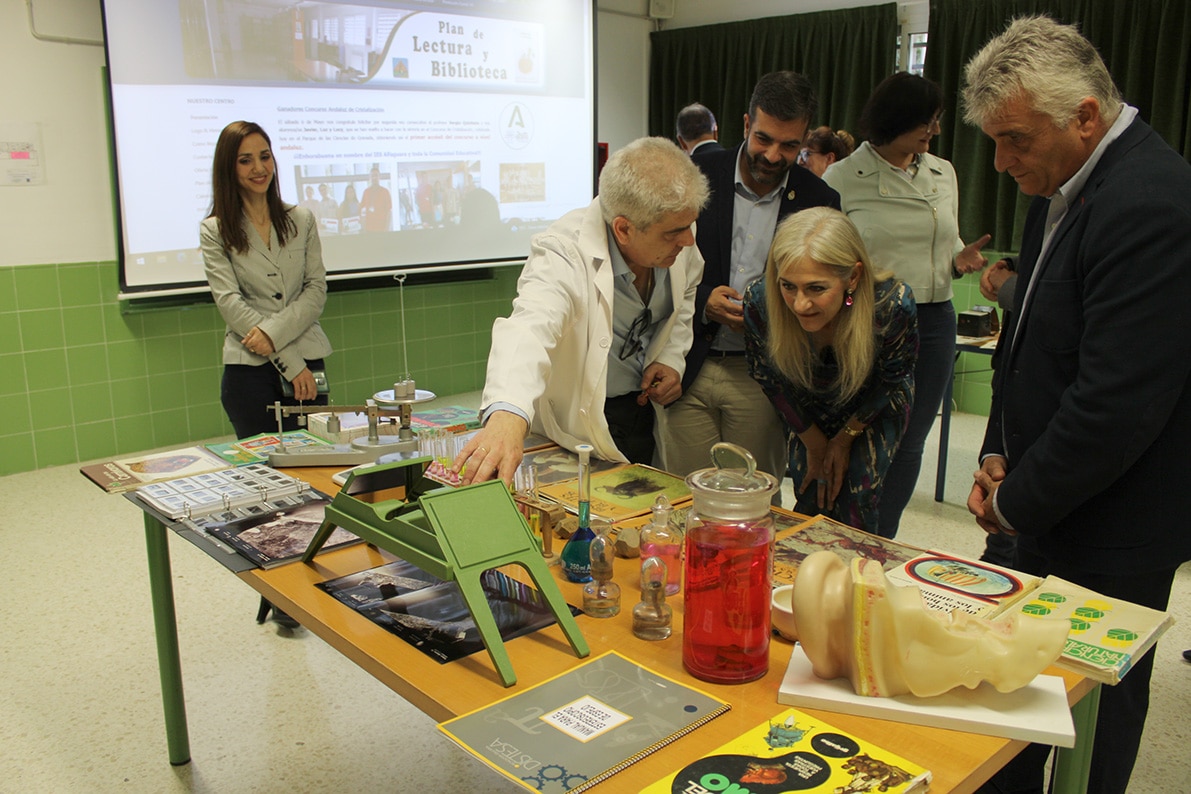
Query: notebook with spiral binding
x=583 y=726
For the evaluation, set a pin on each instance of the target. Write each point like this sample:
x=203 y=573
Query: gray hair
x=1053 y=66
x=649 y=178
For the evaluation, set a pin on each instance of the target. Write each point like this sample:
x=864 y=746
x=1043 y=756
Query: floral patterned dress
x=883 y=404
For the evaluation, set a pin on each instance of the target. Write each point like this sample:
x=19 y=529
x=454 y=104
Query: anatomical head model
x=853 y=623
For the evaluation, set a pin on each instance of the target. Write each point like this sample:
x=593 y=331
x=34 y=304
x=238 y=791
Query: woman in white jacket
x=905 y=202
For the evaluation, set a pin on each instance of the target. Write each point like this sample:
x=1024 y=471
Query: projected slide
x=421 y=134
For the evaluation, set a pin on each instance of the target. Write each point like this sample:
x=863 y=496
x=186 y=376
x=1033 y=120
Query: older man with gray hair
x=602 y=319
x=697 y=130
x=1091 y=410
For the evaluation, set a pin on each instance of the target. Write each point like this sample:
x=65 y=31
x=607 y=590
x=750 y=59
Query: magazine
x=791 y=752
x=278 y=537
x=256 y=449
x=431 y=615
x=626 y=491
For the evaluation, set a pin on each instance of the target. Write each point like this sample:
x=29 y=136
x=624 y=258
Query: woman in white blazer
x=905 y=202
x=264 y=264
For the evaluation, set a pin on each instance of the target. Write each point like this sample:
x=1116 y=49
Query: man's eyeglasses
x=632 y=340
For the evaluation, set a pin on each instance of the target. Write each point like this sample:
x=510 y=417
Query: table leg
x=165 y=625
x=944 y=437
x=1073 y=766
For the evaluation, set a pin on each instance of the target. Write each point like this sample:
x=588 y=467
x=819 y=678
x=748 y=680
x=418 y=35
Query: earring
x=848 y=298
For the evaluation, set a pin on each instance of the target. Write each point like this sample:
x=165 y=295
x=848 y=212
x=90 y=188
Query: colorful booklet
x=579 y=728
x=431 y=615
x=622 y=492
x=791 y=752
x=256 y=449
x=125 y=474
x=824 y=534
x=1107 y=635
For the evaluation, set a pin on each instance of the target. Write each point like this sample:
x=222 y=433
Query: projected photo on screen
x=422 y=135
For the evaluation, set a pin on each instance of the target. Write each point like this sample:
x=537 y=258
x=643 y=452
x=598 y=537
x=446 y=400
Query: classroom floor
x=272 y=710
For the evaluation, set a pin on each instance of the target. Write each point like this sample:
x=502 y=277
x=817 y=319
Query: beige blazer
x=282 y=289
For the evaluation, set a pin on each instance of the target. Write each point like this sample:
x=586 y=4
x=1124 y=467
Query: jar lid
x=735 y=472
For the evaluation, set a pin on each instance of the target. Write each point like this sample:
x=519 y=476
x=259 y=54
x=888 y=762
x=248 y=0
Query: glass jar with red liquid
x=728 y=569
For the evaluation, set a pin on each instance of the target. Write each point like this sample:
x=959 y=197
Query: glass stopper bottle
x=601 y=596
x=653 y=617
x=659 y=539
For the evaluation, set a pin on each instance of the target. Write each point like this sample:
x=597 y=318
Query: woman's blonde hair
x=826 y=236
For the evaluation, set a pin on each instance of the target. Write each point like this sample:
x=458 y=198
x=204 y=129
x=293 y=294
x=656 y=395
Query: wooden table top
x=959 y=761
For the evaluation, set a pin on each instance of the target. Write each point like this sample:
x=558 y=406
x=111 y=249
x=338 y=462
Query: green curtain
x=843 y=53
x=1146 y=45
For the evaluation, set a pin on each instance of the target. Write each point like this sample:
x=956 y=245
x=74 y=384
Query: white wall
x=68 y=218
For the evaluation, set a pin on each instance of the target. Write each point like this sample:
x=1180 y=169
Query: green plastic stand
x=455 y=534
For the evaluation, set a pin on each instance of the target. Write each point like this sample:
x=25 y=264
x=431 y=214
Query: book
x=949 y=582
x=218 y=491
x=277 y=537
x=1037 y=712
x=431 y=615
x=256 y=449
x=556 y=464
x=1107 y=635
x=794 y=751
x=824 y=534
x=455 y=418
x=625 y=491
x=581 y=727
x=125 y=474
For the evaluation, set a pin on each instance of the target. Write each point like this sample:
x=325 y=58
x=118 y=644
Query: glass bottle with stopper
x=601 y=596
x=653 y=617
x=659 y=539
x=576 y=554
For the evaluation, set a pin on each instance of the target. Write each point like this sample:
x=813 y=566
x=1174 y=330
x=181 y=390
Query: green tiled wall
x=80 y=380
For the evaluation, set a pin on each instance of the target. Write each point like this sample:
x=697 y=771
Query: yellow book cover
x=794 y=751
x=623 y=492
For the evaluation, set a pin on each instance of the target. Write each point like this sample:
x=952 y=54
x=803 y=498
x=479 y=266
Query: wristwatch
x=852 y=433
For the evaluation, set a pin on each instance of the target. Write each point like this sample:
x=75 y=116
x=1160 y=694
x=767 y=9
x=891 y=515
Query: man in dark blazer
x=1090 y=426
x=753 y=186
x=697 y=130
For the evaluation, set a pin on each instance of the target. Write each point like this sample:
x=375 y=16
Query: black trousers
x=1123 y=707
x=631 y=426
x=248 y=394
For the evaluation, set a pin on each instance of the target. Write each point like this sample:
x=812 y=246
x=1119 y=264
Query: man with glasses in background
x=753 y=186
x=602 y=319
